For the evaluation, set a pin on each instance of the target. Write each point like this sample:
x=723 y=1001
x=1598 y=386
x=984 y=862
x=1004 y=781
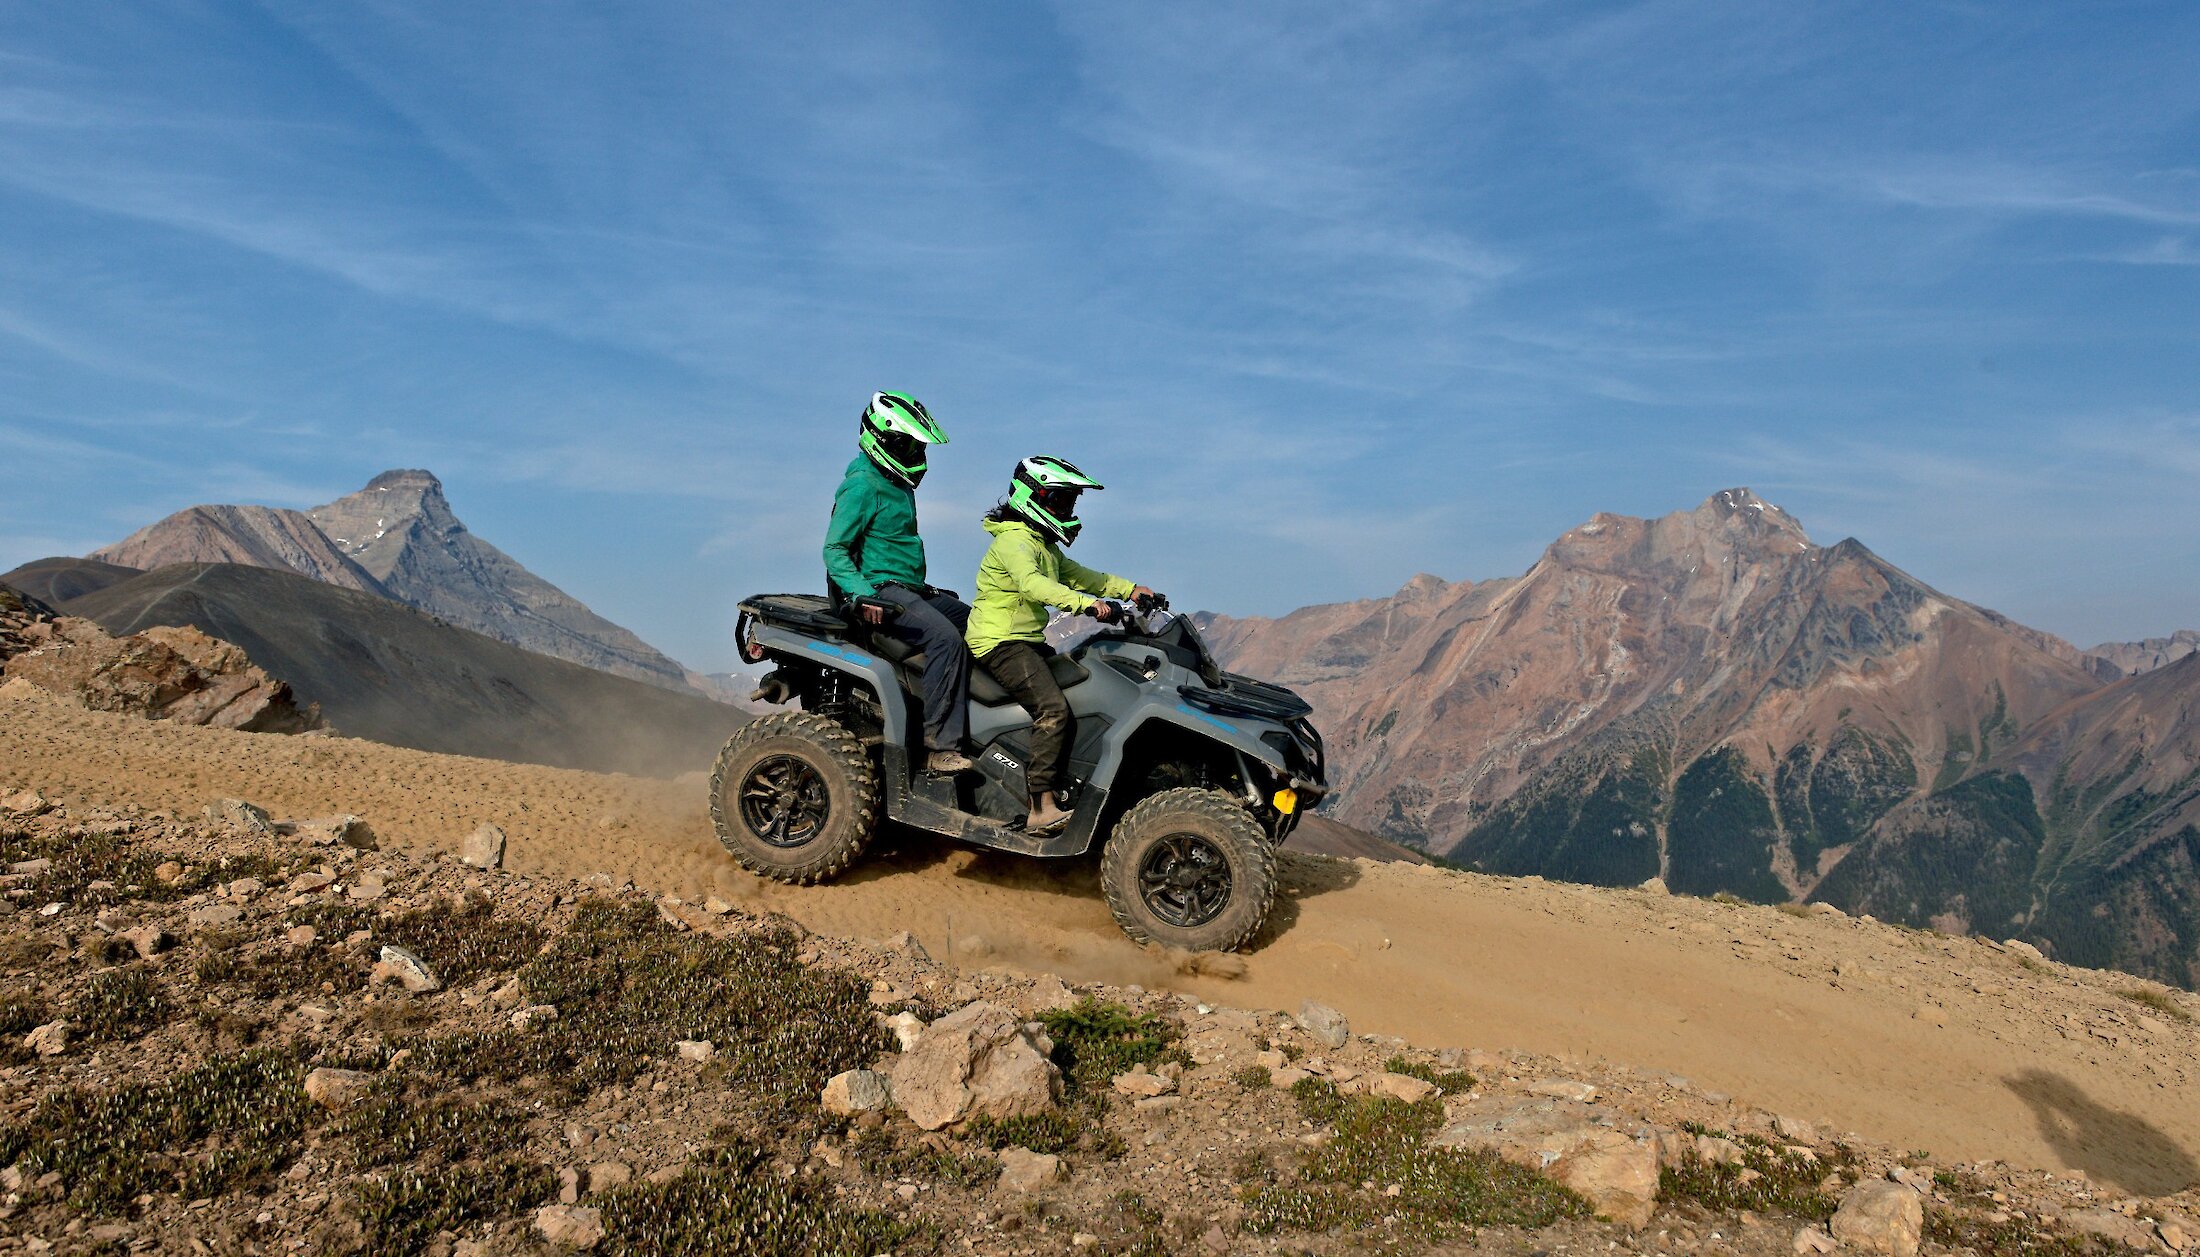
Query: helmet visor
x=902 y=448
x=1060 y=501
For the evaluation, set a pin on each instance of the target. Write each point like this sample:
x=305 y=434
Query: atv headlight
x=1286 y=800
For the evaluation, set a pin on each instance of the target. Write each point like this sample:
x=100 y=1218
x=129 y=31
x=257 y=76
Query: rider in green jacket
x=872 y=550
x=1023 y=573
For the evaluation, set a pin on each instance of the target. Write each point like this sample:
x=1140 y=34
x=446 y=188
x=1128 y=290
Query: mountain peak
x=405 y=478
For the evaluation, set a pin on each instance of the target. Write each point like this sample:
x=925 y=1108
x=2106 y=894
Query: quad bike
x=1195 y=775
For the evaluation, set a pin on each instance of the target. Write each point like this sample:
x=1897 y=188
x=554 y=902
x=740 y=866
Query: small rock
x=1881 y=1216
x=572 y=1226
x=1826 y=910
x=483 y=848
x=906 y=1027
x=240 y=815
x=337 y=1089
x=30 y=868
x=25 y=803
x=1140 y=1083
x=1795 y=1129
x=1084 y=1239
x=605 y=1175
x=1158 y=1104
x=716 y=907
x=1286 y=1078
x=1812 y=1240
x=149 y=940
x=329 y=830
x=301 y=935
x=2112 y=1226
x=534 y=1016
x=1717 y=1151
x=855 y=1091
x=1563 y=1089
x=307 y=883
x=907 y=942
x=216 y=915
x=244 y=888
x=169 y=872
x=51 y=1039
x=1023 y=1170
x=1215 y=1241
x=507 y=995
x=569 y=1186
x=1325 y=1024
x=2018 y=946
x=370 y=886
x=979 y=1060
x=1656 y=886
x=406 y=969
x=699 y=1051
x=1402 y=1087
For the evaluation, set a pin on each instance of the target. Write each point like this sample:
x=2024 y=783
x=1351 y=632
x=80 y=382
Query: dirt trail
x=1924 y=1041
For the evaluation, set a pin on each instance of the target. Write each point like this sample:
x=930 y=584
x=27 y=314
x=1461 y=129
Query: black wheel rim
x=1184 y=880
x=784 y=802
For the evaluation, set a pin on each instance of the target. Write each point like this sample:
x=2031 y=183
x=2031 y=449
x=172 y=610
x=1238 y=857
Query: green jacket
x=873 y=537
x=1021 y=576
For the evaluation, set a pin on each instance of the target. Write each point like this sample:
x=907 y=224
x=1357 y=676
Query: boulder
x=569 y=1226
x=25 y=803
x=1812 y=1240
x=178 y=674
x=51 y=1039
x=337 y=1089
x=399 y=965
x=330 y=830
x=1563 y=1089
x=907 y=1027
x=855 y=1091
x=605 y=1175
x=977 y=1061
x=1325 y=1024
x=1611 y=1161
x=149 y=940
x=241 y=816
x=1881 y=1217
x=2116 y=1228
x=216 y=915
x=1656 y=886
x=484 y=848
x=1023 y=1170
x=700 y=1051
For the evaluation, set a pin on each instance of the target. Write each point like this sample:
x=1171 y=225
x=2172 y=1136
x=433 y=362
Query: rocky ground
x=228 y=1033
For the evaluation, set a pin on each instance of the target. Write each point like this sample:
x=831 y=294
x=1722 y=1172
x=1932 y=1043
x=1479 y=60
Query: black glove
x=1105 y=612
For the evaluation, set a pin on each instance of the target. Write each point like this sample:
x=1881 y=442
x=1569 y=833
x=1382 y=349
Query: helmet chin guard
x=1044 y=491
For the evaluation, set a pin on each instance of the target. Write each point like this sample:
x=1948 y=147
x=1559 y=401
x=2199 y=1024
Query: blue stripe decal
x=841 y=652
x=1197 y=714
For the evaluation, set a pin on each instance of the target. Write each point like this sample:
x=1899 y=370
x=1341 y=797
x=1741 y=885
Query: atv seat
x=908 y=661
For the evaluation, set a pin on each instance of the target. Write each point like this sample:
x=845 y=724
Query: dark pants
x=934 y=623
x=1021 y=668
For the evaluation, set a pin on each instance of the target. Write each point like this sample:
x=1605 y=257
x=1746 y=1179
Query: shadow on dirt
x=2120 y=1149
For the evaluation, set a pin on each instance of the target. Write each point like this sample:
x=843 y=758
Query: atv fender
x=845 y=657
x=1185 y=716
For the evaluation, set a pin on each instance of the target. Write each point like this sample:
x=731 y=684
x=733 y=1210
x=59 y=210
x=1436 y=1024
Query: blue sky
x=1327 y=294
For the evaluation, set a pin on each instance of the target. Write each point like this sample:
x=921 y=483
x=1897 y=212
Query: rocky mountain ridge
x=398 y=538
x=2132 y=658
x=1709 y=698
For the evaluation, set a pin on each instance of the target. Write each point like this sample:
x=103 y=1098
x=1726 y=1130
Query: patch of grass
x=81 y=857
x=401 y=1212
x=272 y=972
x=1729 y=898
x=230 y=1123
x=627 y=987
x=1446 y=1081
x=2159 y=1001
x=2012 y=1237
x=888 y=1157
x=120 y=1004
x=1769 y=1179
x=20 y=1013
x=1793 y=909
x=334 y=919
x=727 y=1201
x=1095 y=1040
x=391 y=1124
x=1251 y=1078
x=1382 y=1141
x=1056 y=1131
x=463 y=943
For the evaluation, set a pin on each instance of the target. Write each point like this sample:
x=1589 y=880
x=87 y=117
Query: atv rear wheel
x=1189 y=868
x=794 y=797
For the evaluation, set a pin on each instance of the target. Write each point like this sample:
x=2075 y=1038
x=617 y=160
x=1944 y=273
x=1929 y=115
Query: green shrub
x=1094 y=1041
x=402 y=1211
x=2010 y=1237
x=120 y=1004
x=1382 y=1141
x=1446 y=1081
x=1251 y=1078
x=1779 y=1181
x=230 y=1123
x=463 y=943
x=728 y=1201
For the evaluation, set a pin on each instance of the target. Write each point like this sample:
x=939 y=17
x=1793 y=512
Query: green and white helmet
x=894 y=431
x=1044 y=491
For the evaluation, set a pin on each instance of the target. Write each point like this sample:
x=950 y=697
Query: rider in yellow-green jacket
x=1024 y=572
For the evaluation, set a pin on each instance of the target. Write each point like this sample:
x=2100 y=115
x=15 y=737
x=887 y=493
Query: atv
x=1195 y=775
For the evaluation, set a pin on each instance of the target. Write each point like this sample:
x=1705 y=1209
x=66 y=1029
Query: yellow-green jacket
x=1021 y=576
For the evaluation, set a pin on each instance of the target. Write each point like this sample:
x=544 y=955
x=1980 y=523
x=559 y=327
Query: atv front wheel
x=1189 y=868
x=793 y=797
